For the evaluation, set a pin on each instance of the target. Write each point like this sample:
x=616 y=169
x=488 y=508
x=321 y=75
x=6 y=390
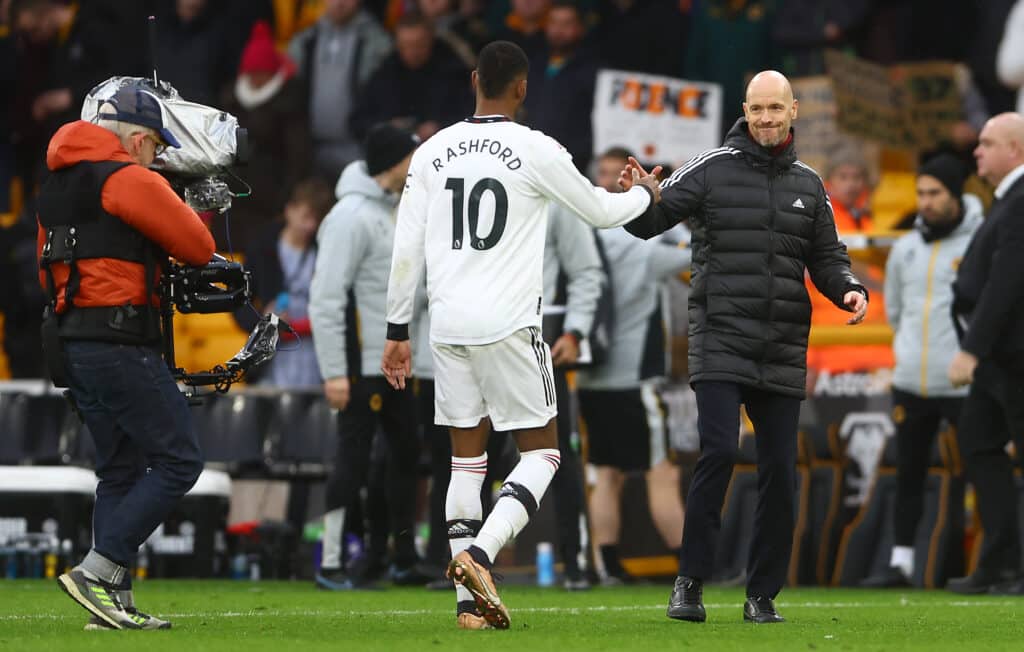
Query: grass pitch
x=295 y=617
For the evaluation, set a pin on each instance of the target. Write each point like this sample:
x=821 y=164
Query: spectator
x=626 y=431
x=655 y=31
x=423 y=86
x=985 y=35
x=524 y=26
x=193 y=50
x=8 y=87
x=1010 y=56
x=21 y=298
x=919 y=295
x=988 y=297
x=267 y=100
x=356 y=241
x=729 y=40
x=66 y=50
x=847 y=183
x=454 y=29
x=282 y=262
x=335 y=59
x=805 y=28
x=561 y=84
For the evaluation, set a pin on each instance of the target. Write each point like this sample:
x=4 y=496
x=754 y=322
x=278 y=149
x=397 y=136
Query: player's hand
x=566 y=350
x=634 y=173
x=397 y=362
x=961 y=369
x=857 y=303
x=337 y=391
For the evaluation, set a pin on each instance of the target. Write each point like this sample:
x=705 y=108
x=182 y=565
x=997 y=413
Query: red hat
x=260 y=55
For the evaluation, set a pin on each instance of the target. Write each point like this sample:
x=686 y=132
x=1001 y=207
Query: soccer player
x=474 y=210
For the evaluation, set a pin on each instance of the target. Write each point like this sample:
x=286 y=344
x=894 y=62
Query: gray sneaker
x=143 y=619
x=98 y=598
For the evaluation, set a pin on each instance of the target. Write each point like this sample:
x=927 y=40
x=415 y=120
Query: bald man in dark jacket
x=759 y=219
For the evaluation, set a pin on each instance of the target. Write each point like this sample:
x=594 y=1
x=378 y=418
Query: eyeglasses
x=158 y=147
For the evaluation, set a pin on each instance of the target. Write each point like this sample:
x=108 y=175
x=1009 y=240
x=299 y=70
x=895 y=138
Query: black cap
x=140 y=107
x=387 y=145
x=949 y=170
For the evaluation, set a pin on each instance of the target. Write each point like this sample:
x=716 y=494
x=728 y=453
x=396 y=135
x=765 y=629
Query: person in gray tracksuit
x=347 y=312
x=574 y=279
x=918 y=299
x=625 y=423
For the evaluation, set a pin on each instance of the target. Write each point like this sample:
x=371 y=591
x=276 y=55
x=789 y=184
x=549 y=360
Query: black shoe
x=440 y=584
x=890 y=578
x=980 y=581
x=334 y=580
x=575 y=579
x=414 y=575
x=761 y=610
x=1014 y=587
x=687 y=601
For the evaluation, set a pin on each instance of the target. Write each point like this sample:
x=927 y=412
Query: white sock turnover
x=519 y=499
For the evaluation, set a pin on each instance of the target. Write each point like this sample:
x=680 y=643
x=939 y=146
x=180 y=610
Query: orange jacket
x=140 y=197
x=845 y=222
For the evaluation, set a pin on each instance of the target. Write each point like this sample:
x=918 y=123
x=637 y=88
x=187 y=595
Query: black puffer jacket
x=758 y=221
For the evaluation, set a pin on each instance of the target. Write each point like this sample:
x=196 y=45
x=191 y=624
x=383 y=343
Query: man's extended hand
x=566 y=350
x=337 y=391
x=961 y=369
x=858 y=303
x=634 y=173
x=397 y=362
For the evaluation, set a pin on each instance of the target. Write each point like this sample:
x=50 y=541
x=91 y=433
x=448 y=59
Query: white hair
x=106 y=118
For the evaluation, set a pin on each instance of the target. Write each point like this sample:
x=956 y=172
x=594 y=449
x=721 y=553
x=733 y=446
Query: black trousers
x=993 y=413
x=373 y=403
x=566 y=486
x=917 y=424
x=775 y=418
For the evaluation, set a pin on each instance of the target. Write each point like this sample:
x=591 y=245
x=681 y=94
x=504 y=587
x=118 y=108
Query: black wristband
x=398 y=332
x=576 y=335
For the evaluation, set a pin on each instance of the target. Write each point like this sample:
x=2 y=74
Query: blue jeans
x=147 y=451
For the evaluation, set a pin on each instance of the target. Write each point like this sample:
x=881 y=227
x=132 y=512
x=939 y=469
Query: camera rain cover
x=207 y=135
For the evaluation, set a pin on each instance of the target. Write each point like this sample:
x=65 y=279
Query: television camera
x=211 y=142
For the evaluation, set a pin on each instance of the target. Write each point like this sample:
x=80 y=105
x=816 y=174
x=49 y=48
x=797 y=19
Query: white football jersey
x=475 y=211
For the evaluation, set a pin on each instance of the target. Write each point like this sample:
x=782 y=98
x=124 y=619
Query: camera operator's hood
x=83 y=141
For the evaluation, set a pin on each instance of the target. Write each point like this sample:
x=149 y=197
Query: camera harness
x=78 y=228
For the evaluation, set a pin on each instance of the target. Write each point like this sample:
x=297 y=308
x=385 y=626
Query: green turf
x=294 y=617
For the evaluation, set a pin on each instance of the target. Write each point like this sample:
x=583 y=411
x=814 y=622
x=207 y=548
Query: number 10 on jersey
x=458 y=188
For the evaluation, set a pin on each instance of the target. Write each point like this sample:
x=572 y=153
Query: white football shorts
x=510 y=381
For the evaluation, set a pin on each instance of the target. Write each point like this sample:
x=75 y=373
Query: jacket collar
x=739 y=137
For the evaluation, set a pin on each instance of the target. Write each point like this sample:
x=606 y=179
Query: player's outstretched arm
x=557 y=178
x=681 y=196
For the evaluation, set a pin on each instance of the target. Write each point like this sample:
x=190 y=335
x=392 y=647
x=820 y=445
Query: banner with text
x=660 y=119
x=912 y=105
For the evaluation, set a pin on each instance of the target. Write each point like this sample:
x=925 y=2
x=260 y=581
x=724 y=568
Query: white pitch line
x=568 y=610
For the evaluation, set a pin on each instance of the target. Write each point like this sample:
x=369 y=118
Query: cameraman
x=106 y=227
